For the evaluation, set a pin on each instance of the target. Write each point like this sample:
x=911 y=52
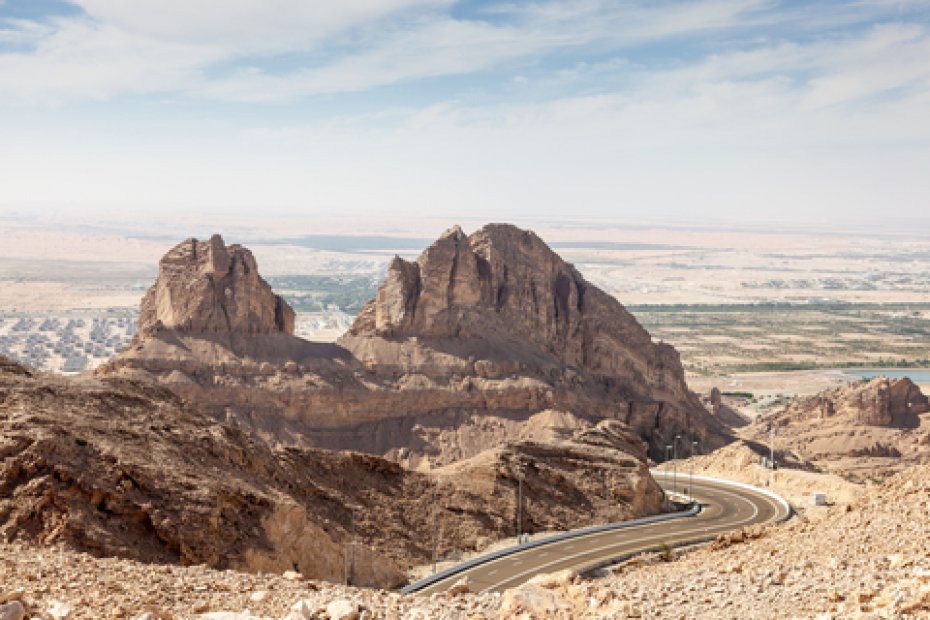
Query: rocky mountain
x=865 y=555
x=866 y=428
x=481 y=333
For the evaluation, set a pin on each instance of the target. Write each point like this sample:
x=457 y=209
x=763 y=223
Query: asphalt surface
x=724 y=508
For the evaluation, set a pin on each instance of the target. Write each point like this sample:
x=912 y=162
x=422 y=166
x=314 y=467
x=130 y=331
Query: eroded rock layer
x=122 y=468
x=488 y=326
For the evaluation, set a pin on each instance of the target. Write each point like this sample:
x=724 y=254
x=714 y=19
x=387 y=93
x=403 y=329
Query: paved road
x=724 y=508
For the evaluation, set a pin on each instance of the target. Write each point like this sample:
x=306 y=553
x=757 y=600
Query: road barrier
x=692 y=510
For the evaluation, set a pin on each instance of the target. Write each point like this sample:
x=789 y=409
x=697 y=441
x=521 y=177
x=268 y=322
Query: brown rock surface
x=879 y=402
x=867 y=558
x=207 y=287
x=122 y=468
x=493 y=326
x=862 y=429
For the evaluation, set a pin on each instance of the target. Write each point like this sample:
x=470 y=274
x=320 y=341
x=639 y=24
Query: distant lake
x=917 y=375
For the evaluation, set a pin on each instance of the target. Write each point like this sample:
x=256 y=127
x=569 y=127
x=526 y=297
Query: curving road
x=725 y=506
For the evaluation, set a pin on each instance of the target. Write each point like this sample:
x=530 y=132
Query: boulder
x=12 y=610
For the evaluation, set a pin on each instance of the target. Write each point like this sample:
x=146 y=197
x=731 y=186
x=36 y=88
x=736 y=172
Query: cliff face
x=501 y=303
x=493 y=326
x=207 y=287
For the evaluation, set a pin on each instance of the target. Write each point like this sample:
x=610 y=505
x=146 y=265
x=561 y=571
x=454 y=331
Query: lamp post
x=608 y=498
x=668 y=456
x=772 y=454
x=674 y=464
x=520 y=509
x=435 y=524
x=694 y=445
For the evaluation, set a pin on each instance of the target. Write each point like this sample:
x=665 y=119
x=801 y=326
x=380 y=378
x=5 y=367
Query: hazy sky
x=750 y=110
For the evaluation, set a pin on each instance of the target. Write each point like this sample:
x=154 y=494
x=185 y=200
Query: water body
x=917 y=375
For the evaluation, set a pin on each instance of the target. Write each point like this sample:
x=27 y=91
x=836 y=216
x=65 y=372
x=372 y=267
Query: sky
x=703 y=110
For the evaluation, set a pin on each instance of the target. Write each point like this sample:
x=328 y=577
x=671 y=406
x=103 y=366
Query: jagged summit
x=504 y=284
x=209 y=287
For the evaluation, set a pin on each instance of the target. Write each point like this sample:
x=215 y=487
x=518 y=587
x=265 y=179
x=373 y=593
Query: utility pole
x=350 y=554
x=668 y=454
x=772 y=454
x=608 y=498
x=674 y=464
x=435 y=524
x=520 y=509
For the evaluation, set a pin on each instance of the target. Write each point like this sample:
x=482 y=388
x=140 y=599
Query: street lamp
x=608 y=498
x=772 y=454
x=435 y=523
x=674 y=465
x=668 y=456
x=694 y=447
x=520 y=509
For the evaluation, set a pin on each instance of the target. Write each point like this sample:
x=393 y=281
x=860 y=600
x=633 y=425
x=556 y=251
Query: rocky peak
x=878 y=402
x=209 y=287
x=498 y=279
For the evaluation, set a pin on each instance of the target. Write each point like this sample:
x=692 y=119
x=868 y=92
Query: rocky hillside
x=862 y=558
x=863 y=429
x=121 y=468
x=481 y=332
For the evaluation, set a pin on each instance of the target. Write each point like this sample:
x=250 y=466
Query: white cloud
x=246 y=27
x=176 y=43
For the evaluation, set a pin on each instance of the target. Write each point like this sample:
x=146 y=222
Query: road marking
x=726 y=527
x=712 y=512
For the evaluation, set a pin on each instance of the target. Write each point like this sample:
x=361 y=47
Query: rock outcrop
x=122 y=468
x=480 y=334
x=208 y=287
x=499 y=304
x=599 y=473
x=860 y=430
x=880 y=402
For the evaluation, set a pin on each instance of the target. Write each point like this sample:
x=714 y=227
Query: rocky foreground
x=121 y=468
x=867 y=556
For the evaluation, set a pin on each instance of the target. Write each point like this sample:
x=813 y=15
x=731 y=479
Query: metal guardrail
x=789 y=510
x=594 y=529
x=690 y=512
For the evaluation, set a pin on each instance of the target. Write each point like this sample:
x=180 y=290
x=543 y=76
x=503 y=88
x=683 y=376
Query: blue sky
x=718 y=110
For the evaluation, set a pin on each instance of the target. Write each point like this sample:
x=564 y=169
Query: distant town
x=68 y=342
x=80 y=340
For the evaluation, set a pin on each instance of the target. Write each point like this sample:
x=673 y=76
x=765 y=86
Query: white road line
x=538 y=568
x=712 y=510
